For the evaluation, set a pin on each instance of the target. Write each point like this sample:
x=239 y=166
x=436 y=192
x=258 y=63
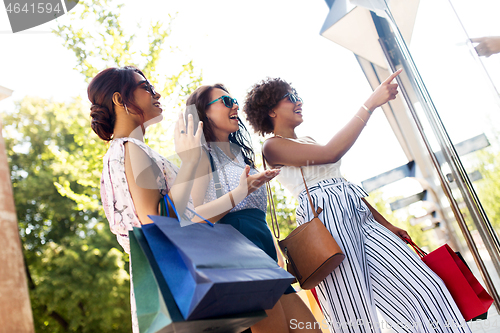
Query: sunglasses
x=148 y=87
x=292 y=98
x=227 y=100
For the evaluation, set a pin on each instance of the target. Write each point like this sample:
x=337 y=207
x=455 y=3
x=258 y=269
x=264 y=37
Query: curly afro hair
x=261 y=99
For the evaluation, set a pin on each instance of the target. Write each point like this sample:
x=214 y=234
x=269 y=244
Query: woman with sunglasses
x=228 y=189
x=135 y=178
x=379 y=271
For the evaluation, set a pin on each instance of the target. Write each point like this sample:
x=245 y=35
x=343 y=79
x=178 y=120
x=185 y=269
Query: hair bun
x=102 y=122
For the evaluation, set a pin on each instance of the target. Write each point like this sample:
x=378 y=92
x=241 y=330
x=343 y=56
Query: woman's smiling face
x=288 y=109
x=147 y=99
x=224 y=119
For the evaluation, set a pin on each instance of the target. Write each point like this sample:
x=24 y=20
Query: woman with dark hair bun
x=379 y=271
x=228 y=189
x=135 y=178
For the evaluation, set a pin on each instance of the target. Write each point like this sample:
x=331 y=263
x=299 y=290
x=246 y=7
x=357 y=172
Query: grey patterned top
x=229 y=175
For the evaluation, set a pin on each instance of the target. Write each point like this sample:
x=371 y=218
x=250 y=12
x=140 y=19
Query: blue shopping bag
x=214 y=270
x=156 y=308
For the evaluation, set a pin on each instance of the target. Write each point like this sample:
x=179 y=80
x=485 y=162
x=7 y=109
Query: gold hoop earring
x=126 y=109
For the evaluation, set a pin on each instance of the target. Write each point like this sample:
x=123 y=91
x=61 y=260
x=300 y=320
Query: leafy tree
x=99 y=41
x=34 y=134
x=382 y=206
x=285 y=210
x=78 y=274
x=488 y=188
x=77 y=278
x=81 y=285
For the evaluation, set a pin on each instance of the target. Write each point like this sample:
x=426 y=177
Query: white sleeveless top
x=291 y=178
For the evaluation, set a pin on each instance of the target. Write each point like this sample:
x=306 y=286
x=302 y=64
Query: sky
x=236 y=43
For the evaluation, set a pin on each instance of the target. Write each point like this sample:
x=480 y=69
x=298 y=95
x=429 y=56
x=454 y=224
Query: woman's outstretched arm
x=277 y=150
x=218 y=208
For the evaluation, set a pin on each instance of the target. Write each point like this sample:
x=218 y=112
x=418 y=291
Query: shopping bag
x=469 y=295
x=156 y=307
x=214 y=270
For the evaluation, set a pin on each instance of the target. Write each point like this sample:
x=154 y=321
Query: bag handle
x=315 y=213
x=215 y=175
x=272 y=208
x=309 y=196
x=421 y=253
x=166 y=197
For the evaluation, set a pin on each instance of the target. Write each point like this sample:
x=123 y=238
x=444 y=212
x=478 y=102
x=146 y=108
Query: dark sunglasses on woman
x=227 y=100
x=148 y=87
x=292 y=98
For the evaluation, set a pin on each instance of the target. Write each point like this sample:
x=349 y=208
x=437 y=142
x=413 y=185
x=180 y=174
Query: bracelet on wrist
x=364 y=122
x=367 y=110
x=232 y=199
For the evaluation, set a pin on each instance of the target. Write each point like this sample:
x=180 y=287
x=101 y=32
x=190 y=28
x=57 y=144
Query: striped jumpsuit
x=380 y=272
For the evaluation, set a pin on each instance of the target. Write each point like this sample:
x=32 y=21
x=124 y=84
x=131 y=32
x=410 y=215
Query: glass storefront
x=458 y=105
x=450 y=95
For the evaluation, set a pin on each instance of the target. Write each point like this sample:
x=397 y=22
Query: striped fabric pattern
x=379 y=271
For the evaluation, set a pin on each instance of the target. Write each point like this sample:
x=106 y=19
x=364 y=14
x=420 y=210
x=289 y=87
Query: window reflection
x=461 y=75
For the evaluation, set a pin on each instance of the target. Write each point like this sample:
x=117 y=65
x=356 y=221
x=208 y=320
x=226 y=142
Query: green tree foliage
x=415 y=231
x=35 y=134
x=285 y=205
x=97 y=37
x=78 y=274
x=81 y=285
x=77 y=278
x=488 y=188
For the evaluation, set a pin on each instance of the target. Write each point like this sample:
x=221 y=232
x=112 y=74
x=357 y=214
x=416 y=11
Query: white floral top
x=117 y=201
x=115 y=195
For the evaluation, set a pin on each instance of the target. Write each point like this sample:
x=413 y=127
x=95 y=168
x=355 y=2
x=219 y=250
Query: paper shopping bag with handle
x=469 y=295
x=213 y=270
x=157 y=311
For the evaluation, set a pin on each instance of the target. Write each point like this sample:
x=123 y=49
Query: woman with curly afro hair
x=379 y=271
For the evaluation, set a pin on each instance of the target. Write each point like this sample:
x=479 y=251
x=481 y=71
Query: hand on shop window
x=487 y=45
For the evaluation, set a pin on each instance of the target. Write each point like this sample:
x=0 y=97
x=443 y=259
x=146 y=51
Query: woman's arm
x=281 y=260
x=218 y=208
x=142 y=173
x=277 y=150
x=199 y=190
x=143 y=188
x=380 y=219
x=188 y=147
